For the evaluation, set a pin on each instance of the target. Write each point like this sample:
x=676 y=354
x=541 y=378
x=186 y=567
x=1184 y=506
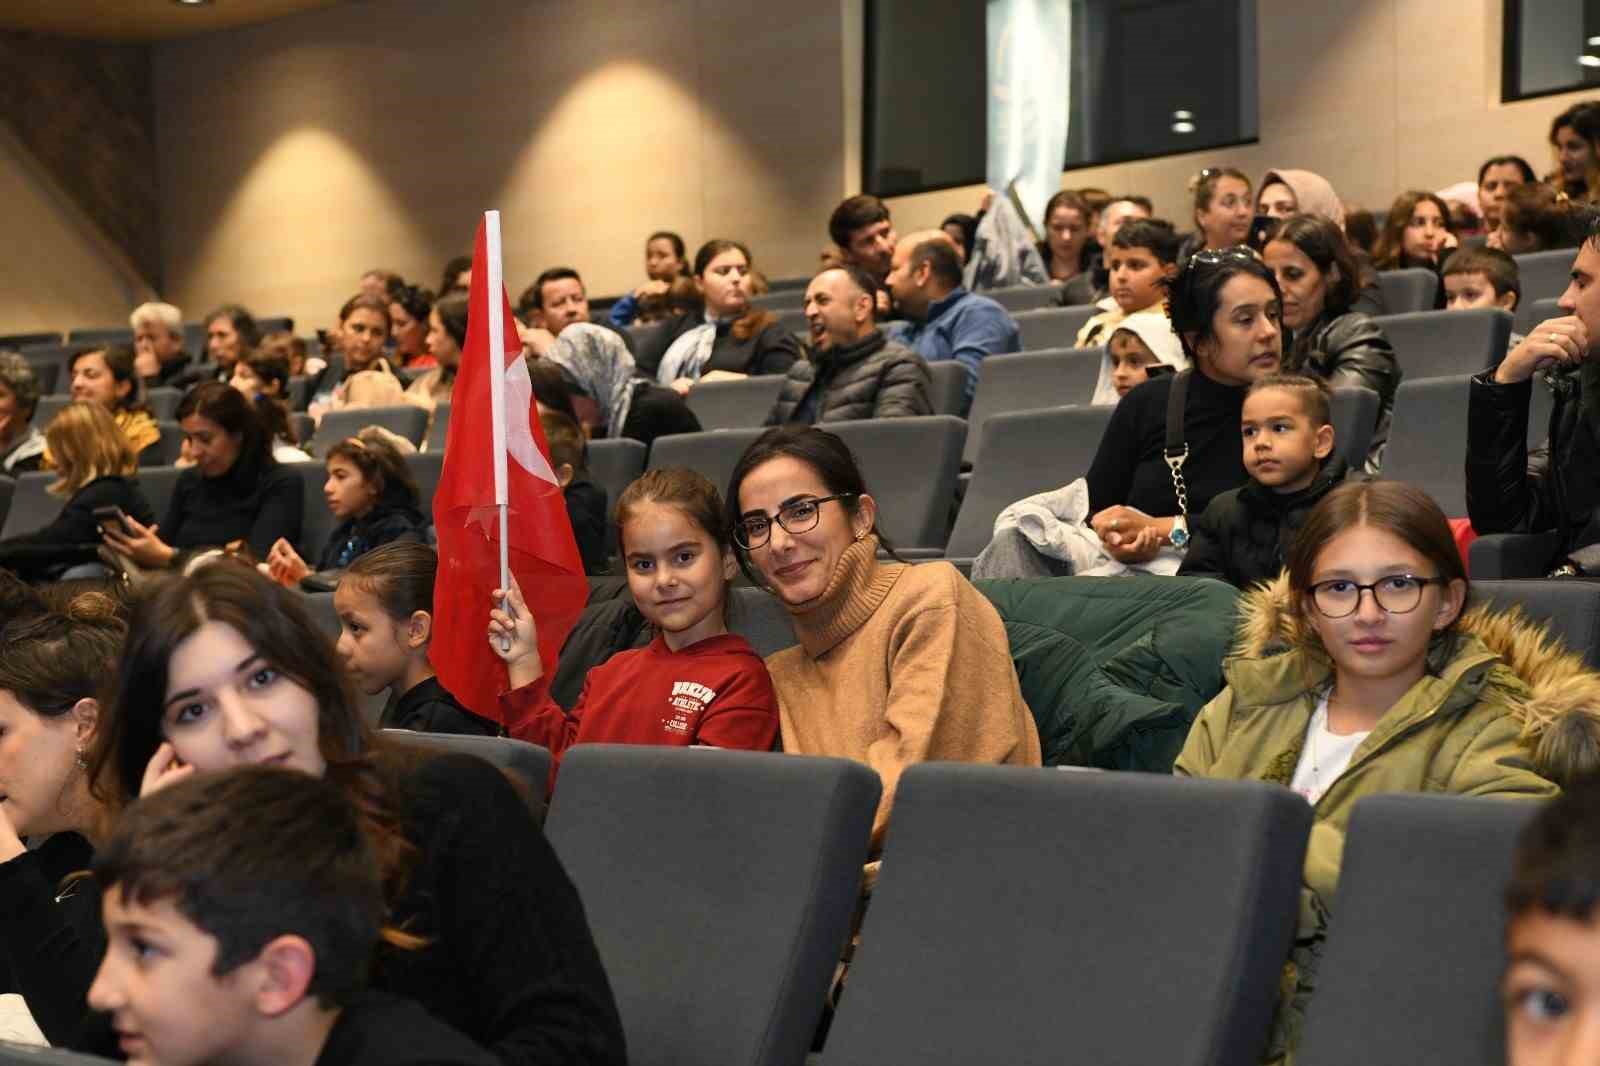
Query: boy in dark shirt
x=586 y=501
x=1244 y=535
x=241 y=911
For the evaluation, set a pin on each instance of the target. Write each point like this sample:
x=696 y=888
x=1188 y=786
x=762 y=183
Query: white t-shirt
x=1324 y=756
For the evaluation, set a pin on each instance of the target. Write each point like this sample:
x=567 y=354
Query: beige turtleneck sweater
x=900 y=664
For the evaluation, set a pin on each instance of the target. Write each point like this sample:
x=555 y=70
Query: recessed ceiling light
x=1589 y=61
x=1591 y=42
x=1183 y=127
x=1183 y=116
x=191 y=3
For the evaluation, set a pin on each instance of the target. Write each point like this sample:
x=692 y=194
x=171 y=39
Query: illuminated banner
x=1029 y=66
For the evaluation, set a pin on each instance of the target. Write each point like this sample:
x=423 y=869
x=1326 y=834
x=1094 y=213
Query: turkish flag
x=496 y=457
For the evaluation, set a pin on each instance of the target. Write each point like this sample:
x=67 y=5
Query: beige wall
x=1378 y=96
x=297 y=154
x=57 y=272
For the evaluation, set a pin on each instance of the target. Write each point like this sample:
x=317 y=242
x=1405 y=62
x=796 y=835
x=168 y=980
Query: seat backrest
x=317 y=522
x=1412 y=289
x=167 y=448
x=31 y=1055
x=49 y=406
x=163 y=402
x=947 y=386
x=911 y=466
x=1545 y=275
x=426 y=468
x=528 y=763
x=406 y=419
x=1015 y=298
x=1541 y=405
x=1431 y=344
x=305 y=427
x=299 y=396
x=275 y=324
x=615 y=462
x=1532 y=312
x=1415 y=949
x=1354 y=409
x=1570 y=608
x=713 y=453
x=1054 y=327
x=319 y=606
x=1030 y=904
x=735 y=404
x=157 y=483
x=8 y=488
x=1428 y=440
x=1028 y=381
x=793 y=321
x=48 y=368
x=1021 y=453
x=105 y=335
x=761 y=619
x=438 y=430
x=32 y=507
x=780 y=300
x=719 y=885
x=24 y=340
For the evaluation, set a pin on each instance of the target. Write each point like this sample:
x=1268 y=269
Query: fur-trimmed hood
x=1553 y=693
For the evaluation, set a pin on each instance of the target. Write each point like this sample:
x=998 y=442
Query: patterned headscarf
x=599 y=362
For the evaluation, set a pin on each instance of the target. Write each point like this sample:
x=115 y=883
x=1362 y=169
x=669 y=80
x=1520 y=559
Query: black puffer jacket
x=1556 y=487
x=873 y=378
x=1350 y=349
x=1244 y=535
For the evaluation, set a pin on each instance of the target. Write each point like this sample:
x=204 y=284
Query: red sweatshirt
x=715 y=692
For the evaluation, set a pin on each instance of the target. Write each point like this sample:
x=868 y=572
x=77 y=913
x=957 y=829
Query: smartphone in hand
x=111 y=517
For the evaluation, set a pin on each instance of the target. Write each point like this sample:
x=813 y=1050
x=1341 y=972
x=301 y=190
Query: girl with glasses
x=895 y=664
x=695 y=683
x=1359 y=672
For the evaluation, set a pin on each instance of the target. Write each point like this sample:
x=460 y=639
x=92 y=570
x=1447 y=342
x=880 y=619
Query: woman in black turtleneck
x=235 y=492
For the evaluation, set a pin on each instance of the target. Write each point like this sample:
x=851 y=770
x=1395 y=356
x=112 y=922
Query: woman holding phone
x=96 y=464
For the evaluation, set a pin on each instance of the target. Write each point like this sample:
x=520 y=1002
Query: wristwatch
x=1179 y=537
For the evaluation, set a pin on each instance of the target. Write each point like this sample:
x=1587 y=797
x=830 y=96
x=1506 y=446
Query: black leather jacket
x=1350 y=349
x=1555 y=487
x=872 y=378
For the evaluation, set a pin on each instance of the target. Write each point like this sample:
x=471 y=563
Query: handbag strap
x=1176 y=452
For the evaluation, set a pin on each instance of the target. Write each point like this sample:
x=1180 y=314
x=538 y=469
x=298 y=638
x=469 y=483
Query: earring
x=82 y=763
x=860 y=534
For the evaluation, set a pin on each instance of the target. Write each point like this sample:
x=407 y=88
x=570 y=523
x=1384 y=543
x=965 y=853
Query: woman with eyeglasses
x=1360 y=671
x=896 y=664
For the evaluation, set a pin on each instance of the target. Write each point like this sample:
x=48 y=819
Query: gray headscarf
x=599 y=362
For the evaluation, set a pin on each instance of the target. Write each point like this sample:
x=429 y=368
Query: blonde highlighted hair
x=86 y=445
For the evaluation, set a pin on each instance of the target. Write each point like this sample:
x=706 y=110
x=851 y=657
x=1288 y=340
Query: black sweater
x=384 y=524
x=254 y=502
x=1244 y=536
x=769 y=350
x=380 y=1030
x=587 y=509
x=1129 y=468
x=428 y=707
x=509 y=959
x=74 y=536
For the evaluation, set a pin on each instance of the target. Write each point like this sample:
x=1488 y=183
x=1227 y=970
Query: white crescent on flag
x=520 y=444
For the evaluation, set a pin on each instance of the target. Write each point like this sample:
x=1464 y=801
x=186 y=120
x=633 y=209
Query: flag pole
x=497 y=379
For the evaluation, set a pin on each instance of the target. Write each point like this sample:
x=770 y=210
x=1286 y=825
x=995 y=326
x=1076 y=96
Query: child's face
x=1463 y=292
x=676 y=573
x=374 y=646
x=1371 y=644
x=226 y=706
x=1282 y=449
x=661 y=260
x=346 y=490
x=1136 y=276
x=1551 y=991
x=1131 y=361
x=156 y=984
x=244 y=379
x=1425 y=233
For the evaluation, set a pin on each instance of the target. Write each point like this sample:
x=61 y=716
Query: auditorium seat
x=1432 y=344
x=438 y=430
x=8 y=488
x=194 y=338
x=278 y=324
x=910 y=466
x=1354 y=410
x=48 y=367
x=79 y=338
x=299 y=397
x=1412 y=289
x=1029 y=381
x=947 y=387
x=1545 y=275
x=157 y=483
x=1570 y=608
x=19 y=341
x=32 y=506
x=163 y=402
x=1022 y=453
x=760 y=618
x=316 y=521
x=713 y=453
x=1504 y=556
x=794 y=321
x=426 y=468
x=528 y=764
x=1055 y=327
x=304 y=427
x=719 y=886
x=1541 y=405
x=779 y=301
x=1015 y=298
x=166 y=450
x=614 y=463
x=1428 y=440
x=50 y=405
x=1415 y=943
x=407 y=420
x=735 y=404
x=1041 y=915
x=1531 y=312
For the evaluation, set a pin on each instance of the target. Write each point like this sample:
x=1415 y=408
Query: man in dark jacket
x=852 y=370
x=1557 y=487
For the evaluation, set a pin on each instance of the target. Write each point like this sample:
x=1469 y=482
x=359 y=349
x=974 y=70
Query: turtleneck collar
x=844 y=355
x=860 y=583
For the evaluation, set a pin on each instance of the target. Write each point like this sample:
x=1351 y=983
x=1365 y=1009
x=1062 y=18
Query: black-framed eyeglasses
x=1395 y=594
x=1217 y=256
x=796 y=516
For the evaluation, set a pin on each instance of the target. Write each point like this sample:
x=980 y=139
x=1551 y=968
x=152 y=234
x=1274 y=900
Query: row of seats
x=720 y=886
x=194 y=335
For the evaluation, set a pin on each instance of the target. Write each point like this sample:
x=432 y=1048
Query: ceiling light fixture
x=1591 y=42
x=1183 y=127
x=1183 y=116
x=191 y=3
x=1589 y=61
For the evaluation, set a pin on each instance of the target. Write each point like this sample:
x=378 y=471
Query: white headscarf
x=599 y=361
x=1154 y=328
